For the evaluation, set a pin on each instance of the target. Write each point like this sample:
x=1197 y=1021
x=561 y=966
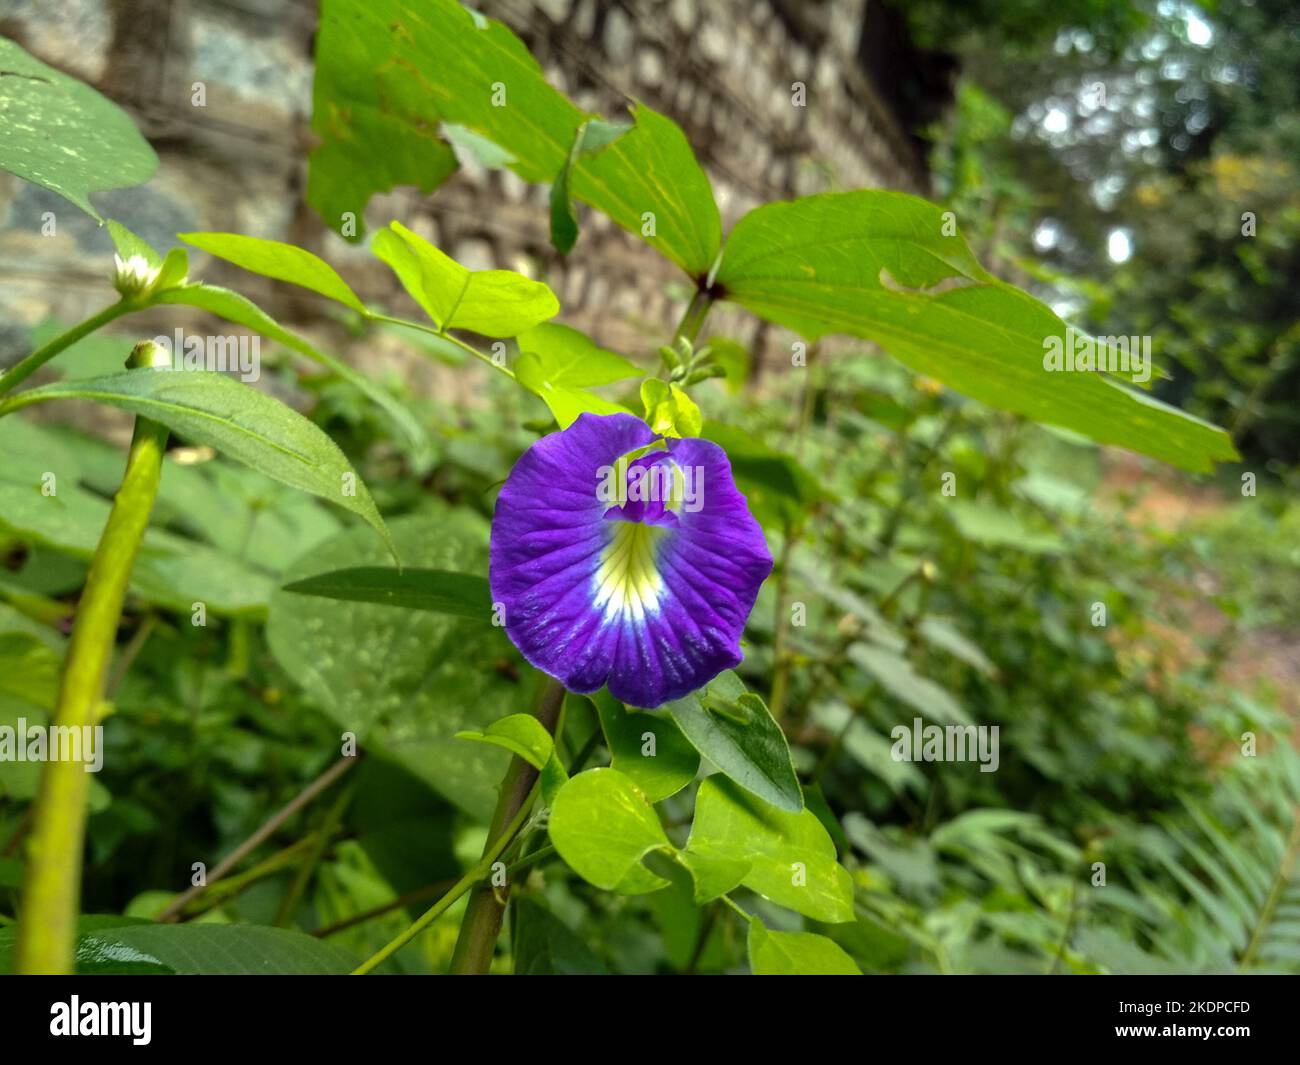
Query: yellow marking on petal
x=627 y=581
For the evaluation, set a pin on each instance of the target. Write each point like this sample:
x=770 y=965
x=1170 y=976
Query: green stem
x=302 y=879
x=52 y=885
x=443 y=335
x=693 y=319
x=23 y=369
x=481 y=870
x=482 y=923
x=264 y=832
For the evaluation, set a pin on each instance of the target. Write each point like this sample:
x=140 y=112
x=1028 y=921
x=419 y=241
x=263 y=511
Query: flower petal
x=648 y=600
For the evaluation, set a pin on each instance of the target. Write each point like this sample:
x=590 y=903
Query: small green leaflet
x=603 y=826
x=733 y=729
x=284 y=262
x=463 y=595
x=796 y=954
x=559 y=365
x=885 y=267
x=248 y=425
x=669 y=411
x=496 y=303
x=97 y=145
x=790 y=856
x=648 y=748
x=525 y=736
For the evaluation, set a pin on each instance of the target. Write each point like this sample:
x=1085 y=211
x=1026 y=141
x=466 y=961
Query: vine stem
x=52 y=884
x=464 y=884
x=693 y=318
x=483 y=915
x=24 y=368
x=443 y=335
x=267 y=829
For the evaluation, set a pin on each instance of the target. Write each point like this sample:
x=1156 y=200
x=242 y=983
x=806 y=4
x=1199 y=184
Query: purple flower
x=624 y=564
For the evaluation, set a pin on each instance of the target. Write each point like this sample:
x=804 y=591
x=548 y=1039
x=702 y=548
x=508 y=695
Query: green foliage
x=733 y=729
x=140 y=948
x=561 y=365
x=796 y=954
x=209 y=408
x=878 y=265
x=491 y=302
x=764 y=821
x=395 y=676
x=284 y=262
x=97 y=147
x=463 y=595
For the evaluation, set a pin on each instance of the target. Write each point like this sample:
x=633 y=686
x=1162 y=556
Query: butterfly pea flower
x=622 y=558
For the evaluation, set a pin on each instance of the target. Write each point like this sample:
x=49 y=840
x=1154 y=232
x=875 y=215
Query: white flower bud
x=134 y=277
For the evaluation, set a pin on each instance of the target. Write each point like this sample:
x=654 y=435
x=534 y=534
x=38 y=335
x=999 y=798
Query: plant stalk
x=23 y=369
x=52 y=885
x=483 y=915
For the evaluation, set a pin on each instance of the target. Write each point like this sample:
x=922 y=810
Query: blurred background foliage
x=1143 y=817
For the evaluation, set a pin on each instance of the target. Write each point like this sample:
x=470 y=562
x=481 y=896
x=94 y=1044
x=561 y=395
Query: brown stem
x=269 y=827
x=486 y=908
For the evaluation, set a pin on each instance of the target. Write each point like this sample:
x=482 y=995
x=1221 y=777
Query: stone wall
x=723 y=69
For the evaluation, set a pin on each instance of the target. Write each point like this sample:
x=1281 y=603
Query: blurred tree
x=1155 y=156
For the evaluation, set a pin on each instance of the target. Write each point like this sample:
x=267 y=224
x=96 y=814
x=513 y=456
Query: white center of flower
x=627 y=582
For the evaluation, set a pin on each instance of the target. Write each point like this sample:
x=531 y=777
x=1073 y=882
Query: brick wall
x=723 y=69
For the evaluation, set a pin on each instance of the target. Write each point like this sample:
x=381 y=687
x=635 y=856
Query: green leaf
x=63 y=135
x=463 y=595
x=878 y=265
x=118 y=945
x=796 y=954
x=172 y=571
x=210 y=408
x=572 y=359
x=389 y=71
x=543 y=945
x=496 y=303
x=236 y=308
x=405 y=681
x=942 y=633
x=895 y=674
x=987 y=524
x=792 y=858
x=668 y=410
x=565 y=404
x=647 y=748
x=209 y=949
x=741 y=739
x=524 y=735
x=284 y=262
x=559 y=364
x=521 y=734
x=29 y=669
x=592 y=135
x=713 y=875
x=175 y=267
x=603 y=826
x=650 y=183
